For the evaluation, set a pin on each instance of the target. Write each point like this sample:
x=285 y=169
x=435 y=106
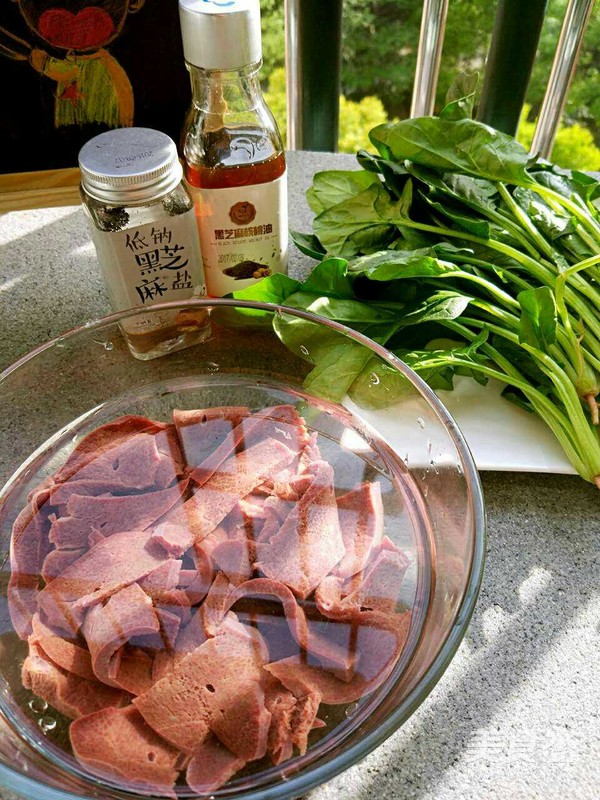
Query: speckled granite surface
x=516 y=715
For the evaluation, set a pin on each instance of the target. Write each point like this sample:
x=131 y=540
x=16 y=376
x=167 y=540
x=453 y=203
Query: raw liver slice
x=67 y=693
x=235 y=558
x=61 y=492
x=119 y=744
x=207 y=691
x=104 y=438
x=131 y=464
x=381 y=583
x=111 y=514
x=326 y=650
x=282 y=423
x=202 y=431
x=238 y=476
x=377 y=588
x=211 y=766
x=127 y=614
x=292 y=718
x=174 y=539
x=171 y=464
x=118 y=561
x=361 y=521
x=309 y=543
x=28 y=549
x=163 y=578
x=134 y=674
x=67 y=655
x=379 y=642
x=57 y=561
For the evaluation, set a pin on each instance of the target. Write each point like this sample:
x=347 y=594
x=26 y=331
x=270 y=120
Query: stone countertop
x=516 y=715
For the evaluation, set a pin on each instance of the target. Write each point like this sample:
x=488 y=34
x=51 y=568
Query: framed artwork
x=71 y=69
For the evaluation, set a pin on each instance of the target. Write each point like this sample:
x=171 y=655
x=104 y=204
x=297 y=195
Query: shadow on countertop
x=540 y=576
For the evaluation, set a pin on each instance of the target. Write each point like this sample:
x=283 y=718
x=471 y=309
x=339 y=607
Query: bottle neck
x=226 y=91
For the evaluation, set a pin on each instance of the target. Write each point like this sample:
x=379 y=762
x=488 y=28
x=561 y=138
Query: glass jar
x=143 y=226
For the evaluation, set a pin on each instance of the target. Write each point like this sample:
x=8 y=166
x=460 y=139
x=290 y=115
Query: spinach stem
x=525 y=221
x=586 y=219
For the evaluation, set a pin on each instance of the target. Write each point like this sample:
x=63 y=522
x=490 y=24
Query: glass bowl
x=62 y=390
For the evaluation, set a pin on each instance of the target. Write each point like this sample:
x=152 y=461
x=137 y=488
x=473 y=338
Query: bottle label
x=243 y=233
x=152 y=263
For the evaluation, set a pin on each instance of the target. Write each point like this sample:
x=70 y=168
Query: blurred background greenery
x=378 y=64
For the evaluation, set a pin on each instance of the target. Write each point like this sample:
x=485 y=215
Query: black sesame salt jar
x=143 y=225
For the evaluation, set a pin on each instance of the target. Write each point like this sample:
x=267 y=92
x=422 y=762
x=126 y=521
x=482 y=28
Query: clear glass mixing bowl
x=73 y=384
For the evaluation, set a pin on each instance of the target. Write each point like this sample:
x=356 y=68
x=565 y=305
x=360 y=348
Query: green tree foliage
x=380 y=46
x=574 y=146
x=356 y=118
x=583 y=101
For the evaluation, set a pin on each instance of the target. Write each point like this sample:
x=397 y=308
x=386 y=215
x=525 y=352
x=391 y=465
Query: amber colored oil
x=236 y=157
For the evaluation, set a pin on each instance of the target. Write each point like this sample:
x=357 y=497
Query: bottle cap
x=221 y=34
x=129 y=166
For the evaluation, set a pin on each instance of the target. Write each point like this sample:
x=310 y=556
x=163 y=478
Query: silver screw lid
x=221 y=34
x=129 y=166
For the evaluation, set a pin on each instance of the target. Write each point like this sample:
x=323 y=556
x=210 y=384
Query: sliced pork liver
x=236 y=478
x=379 y=641
x=325 y=649
x=140 y=462
x=68 y=693
x=112 y=564
x=211 y=689
x=381 y=582
x=361 y=520
x=212 y=765
x=66 y=655
x=309 y=544
x=105 y=438
x=29 y=547
x=292 y=718
x=282 y=423
x=377 y=588
x=128 y=613
x=57 y=561
x=117 y=743
x=110 y=514
x=202 y=431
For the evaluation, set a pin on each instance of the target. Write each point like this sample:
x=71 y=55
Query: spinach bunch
x=463 y=255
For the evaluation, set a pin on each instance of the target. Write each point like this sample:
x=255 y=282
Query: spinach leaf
x=392 y=265
x=438 y=367
x=330 y=278
x=274 y=289
x=374 y=321
x=460 y=97
x=308 y=244
x=337 y=369
x=335 y=186
x=394 y=175
x=435 y=307
x=454 y=146
x=538 y=317
x=468 y=222
x=346 y=228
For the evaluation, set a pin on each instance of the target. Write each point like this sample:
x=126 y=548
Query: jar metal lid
x=221 y=34
x=129 y=166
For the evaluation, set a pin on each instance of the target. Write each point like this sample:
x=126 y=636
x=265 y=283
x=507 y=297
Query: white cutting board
x=501 y=435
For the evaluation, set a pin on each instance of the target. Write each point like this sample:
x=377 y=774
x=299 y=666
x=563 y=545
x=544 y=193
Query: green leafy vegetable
x=463 y=256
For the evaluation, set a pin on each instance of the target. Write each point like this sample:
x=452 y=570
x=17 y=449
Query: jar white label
x=152 y=263
x=243 y=233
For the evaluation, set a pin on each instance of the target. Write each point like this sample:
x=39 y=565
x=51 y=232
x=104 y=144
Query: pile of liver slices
x=192 y=592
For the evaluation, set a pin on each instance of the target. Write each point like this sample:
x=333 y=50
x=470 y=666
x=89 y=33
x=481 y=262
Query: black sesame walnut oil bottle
x=233 y=153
